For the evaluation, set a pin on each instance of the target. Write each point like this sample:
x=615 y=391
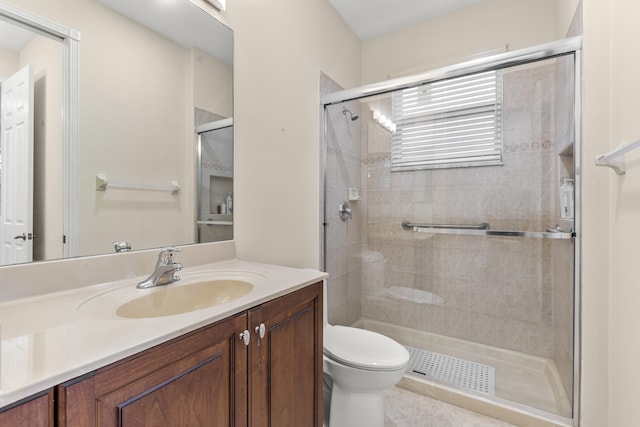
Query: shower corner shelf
x=615 y=159
x=218 y=219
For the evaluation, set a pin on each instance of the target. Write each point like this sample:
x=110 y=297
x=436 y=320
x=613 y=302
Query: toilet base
x=350 y=409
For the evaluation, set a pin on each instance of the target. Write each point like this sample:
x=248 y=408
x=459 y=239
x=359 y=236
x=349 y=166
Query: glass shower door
x=478 y=283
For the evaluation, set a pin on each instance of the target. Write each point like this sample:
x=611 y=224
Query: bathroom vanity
x=210 y=377
x=252 y=361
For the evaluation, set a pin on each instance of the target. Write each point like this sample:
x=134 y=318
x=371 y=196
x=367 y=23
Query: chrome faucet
x=165 y=270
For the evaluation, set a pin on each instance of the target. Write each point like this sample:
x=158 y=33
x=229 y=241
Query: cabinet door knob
x=260 y=330
x=245 y=337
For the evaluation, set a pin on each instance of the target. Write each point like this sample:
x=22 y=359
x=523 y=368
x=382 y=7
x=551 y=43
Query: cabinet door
x=36 y=411
x=199 y=379
x=285 y=380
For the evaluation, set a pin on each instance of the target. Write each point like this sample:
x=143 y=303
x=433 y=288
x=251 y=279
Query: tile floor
x=406 y=409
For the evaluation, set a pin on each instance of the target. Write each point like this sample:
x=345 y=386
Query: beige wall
x=280 y=49
x=9 y=62
x=133 y=132
x=212 y=84
x=488 y=25
x=610 y=278
x=624 y=290
x=565 y=11
x=596 y=392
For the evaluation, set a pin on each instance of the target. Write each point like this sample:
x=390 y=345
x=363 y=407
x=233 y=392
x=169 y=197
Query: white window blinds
x=450 y=123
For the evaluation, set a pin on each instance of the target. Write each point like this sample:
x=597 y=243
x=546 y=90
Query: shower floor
x=452 y=370
x=523 y=383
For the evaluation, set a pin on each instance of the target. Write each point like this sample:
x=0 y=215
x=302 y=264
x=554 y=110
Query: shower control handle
x=345 y=211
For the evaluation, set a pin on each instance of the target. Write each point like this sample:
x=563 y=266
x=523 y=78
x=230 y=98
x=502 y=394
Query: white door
x=16 y=176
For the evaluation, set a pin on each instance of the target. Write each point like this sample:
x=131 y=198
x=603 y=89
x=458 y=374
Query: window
x=450 y=123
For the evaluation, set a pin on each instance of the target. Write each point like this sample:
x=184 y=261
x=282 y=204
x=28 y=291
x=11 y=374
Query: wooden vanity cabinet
x=285 y=365
x=198 y=379
x=35 y=411
x=210 y=378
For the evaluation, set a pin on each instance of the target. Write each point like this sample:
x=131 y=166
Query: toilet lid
x=364 y=349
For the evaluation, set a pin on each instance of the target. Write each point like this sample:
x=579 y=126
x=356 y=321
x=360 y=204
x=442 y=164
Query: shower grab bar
x=102 y=184
x=482 y=226
x=483 y=229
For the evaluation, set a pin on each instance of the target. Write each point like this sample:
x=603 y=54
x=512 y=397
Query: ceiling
x=369 y=19
x=181 y=22
x=14 y=37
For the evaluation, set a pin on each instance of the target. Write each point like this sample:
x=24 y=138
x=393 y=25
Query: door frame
x=70 y=40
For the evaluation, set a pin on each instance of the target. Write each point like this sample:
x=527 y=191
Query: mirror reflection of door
x=215 y=181
x=16 y=176
x=30 y=177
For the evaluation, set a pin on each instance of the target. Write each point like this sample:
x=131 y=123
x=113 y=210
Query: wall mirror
x=149 y=73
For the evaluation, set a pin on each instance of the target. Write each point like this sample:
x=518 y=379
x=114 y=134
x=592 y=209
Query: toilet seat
x=363 y=349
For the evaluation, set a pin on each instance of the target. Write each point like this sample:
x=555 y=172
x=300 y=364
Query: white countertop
x=45 y=340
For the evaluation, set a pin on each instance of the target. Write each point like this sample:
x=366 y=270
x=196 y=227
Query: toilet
x=359 y=365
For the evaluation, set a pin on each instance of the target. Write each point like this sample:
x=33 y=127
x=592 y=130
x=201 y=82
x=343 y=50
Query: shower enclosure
x=451 y=224
x=215 y=181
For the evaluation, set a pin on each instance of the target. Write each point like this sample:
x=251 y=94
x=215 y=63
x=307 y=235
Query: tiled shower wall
x=494 y=290
x=344 y=240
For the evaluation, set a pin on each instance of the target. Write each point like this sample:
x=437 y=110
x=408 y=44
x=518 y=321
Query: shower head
x=353 y=117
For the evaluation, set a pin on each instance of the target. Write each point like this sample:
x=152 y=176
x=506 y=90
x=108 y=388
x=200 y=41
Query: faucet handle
x=166 y=255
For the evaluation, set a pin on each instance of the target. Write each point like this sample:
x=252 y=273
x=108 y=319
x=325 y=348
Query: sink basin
x=196 y=291
x=169 y=301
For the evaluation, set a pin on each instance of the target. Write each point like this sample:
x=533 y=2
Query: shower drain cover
x=460 y=372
